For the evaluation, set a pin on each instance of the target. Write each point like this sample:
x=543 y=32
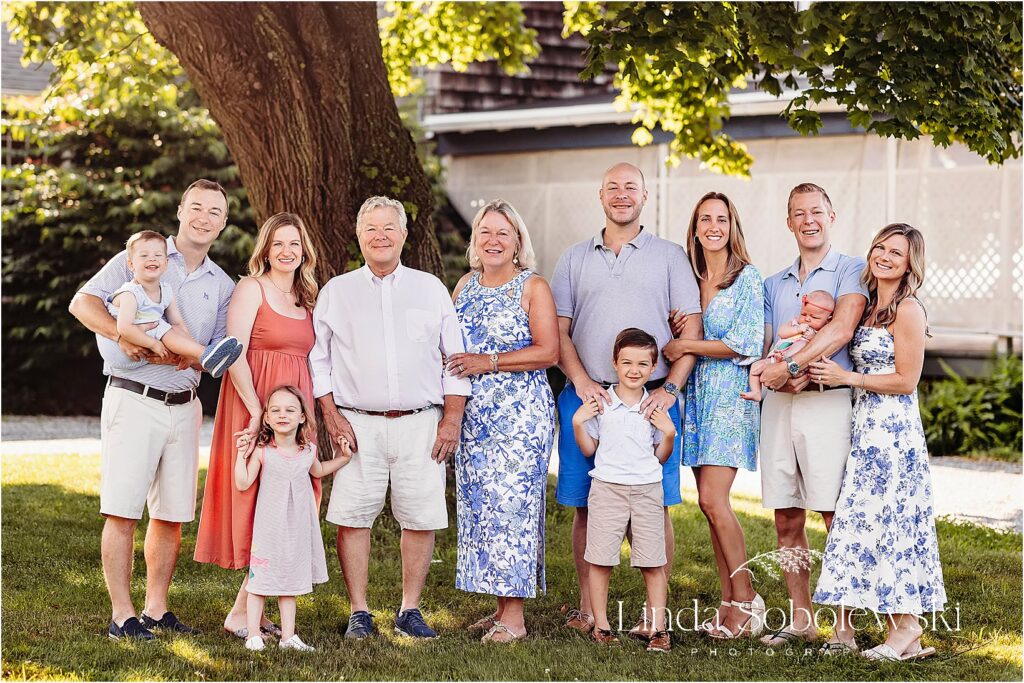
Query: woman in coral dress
x=270 y=314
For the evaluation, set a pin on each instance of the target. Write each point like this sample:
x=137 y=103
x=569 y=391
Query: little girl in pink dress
x=287 y=555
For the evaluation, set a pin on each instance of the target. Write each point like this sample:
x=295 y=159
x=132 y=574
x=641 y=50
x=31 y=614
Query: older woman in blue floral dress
x=720 y=429
x=508 y=320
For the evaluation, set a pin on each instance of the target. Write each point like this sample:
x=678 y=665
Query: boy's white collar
x=616 y=401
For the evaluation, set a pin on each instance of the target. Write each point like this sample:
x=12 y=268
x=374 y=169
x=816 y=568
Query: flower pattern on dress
x=501 y=466
x=720 y=427
x=882 y=553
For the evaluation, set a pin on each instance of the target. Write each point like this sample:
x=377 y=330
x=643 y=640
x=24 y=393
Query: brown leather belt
x=167 y=398
x=390 y=414
x=820 y=387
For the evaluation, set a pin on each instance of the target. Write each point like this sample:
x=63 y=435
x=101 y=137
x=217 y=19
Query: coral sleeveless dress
x=278 y=354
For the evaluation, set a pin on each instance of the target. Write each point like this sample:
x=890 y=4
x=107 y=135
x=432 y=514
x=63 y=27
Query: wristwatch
x=670 y=388
x=792 y=366
x=494 y=362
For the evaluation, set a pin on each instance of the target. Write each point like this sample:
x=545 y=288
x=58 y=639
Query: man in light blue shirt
x=805 y=428
x=150 y=420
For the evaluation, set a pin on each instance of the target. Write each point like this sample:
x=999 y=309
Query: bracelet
x=863 y=380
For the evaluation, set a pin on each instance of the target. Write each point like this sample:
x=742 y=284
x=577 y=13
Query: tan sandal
x=499 y=627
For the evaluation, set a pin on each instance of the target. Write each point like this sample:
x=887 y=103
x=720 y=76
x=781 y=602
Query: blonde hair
x=909 y=284
x=306 y=430
x=737 y=245
x=524 y=256
x=807 y=188
x=304 y=285
x=379 y=202
x=143 y=236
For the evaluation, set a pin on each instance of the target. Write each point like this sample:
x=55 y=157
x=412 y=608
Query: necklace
x=283 y=291
x=286 y=291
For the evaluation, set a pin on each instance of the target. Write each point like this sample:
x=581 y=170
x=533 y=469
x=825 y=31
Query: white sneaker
x=295 y=643
x=254 y=643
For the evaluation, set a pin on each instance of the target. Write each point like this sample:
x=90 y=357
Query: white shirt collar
x=616 y=401
x=395 y=275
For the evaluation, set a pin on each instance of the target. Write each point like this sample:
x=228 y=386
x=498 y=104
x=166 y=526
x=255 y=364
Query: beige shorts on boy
x=612 y=508
x=395 y=450
x=805 y=441
x=150 y=456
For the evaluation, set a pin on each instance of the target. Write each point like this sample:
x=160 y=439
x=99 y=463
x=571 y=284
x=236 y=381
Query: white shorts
x=805 y=441
x=396 y=450
x=150 y=456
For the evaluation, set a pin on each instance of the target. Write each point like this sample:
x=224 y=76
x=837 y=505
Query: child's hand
x=344 y=449
x=245 y=443
x=661 y=420
x=588 y=410
x=808 y=332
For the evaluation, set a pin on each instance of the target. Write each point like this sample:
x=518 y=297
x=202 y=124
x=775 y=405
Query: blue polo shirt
x=837 y=274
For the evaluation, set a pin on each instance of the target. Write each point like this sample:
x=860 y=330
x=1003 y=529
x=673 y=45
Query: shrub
x=974 y=415
x=70 y=208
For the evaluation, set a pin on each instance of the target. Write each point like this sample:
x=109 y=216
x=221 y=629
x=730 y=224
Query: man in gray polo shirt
x=622 y=277
x=805 y=431
x=151 y=417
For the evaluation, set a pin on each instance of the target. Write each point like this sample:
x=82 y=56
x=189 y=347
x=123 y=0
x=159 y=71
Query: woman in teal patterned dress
x=501 y=468
x=720 y=429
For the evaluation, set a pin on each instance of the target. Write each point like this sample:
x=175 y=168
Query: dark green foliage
x=974 y=416
x=68 y=211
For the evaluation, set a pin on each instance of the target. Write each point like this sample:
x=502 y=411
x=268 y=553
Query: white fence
x=969 y=211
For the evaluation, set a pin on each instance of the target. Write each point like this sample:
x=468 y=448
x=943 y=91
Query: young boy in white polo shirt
x=629 y=450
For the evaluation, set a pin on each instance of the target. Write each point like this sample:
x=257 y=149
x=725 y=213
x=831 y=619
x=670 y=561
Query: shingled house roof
x=553 y=75
x=16 y=79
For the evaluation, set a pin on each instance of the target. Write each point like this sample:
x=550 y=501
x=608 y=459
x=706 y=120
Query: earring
x=515 y=258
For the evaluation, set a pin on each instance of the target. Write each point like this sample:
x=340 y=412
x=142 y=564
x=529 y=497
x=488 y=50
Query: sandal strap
x=783 y=634
x=722 y=628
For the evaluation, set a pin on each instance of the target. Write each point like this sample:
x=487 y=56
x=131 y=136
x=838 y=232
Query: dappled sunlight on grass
x=55 y=608
x=191 y=652
x=34 y=671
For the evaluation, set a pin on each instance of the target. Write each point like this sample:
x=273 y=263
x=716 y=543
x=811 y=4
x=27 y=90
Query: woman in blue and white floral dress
x=882 y=553
x=720 y=428
x=508 y=320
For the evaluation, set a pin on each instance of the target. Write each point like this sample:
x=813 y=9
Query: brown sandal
x=485 y=624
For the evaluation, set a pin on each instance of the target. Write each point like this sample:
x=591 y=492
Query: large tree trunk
x=301 y=95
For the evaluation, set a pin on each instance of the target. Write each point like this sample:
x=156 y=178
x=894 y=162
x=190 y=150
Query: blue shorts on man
x=574 y=469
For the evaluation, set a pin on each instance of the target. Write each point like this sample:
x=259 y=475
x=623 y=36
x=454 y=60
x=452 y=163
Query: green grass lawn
x=55 y=608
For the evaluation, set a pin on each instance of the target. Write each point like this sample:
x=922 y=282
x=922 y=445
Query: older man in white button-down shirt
x=378 y=374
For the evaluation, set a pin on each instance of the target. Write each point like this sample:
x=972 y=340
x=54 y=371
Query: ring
x=461 y=367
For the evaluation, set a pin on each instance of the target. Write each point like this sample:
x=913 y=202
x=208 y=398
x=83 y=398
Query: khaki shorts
x=150 y=456
x=395 y=450
x=805 y=441
x=614 y=508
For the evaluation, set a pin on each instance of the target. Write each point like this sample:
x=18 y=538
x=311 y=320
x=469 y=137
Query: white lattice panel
x=969 y=211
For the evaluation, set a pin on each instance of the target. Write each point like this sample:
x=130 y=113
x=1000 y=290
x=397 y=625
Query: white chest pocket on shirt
x=423 y=326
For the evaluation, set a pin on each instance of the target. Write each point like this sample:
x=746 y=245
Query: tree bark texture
x=301 y=95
